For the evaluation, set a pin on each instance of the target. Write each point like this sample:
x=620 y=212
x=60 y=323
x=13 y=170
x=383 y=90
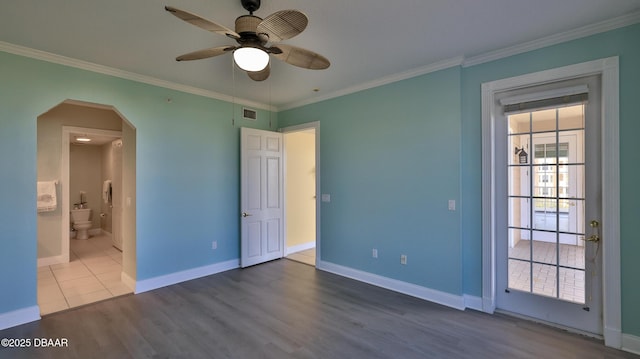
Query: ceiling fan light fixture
x=251 y=59
x=255 y=37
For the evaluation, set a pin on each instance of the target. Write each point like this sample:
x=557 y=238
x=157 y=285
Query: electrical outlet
x=214 y=245
x=403 y=259
x=374 y=253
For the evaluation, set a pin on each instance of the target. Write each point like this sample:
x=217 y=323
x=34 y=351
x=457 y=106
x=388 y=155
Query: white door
x=546 y=269
x=567 y=214
x=261 y=196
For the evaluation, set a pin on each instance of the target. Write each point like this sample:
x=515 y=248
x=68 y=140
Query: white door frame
x=608 y=68
x=297 y=128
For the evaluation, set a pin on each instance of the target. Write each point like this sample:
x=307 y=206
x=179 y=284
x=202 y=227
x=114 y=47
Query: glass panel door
x=546 y=203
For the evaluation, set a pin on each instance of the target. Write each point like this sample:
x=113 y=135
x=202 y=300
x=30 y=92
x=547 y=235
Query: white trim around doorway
x=608 y=68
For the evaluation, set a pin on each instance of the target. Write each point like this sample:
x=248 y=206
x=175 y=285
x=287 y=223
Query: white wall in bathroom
x=107 y=174
x=85 y=175
x=49 y=127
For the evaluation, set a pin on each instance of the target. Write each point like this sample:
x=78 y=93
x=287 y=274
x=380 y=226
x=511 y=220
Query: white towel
x=47 y=201
x=106 y=191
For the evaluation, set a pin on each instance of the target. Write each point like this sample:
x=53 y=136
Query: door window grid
x=537 y=267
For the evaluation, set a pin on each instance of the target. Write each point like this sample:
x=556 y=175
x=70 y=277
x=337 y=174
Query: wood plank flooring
x=285 y=309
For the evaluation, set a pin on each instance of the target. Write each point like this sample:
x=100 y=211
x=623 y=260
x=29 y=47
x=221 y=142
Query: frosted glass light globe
x=251 y=59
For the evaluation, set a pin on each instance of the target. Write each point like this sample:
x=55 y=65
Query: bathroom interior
x=86 y=199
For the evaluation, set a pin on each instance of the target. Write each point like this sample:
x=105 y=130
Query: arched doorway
x=83 y=271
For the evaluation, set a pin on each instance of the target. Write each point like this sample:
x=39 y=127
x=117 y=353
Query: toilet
x=81 y=222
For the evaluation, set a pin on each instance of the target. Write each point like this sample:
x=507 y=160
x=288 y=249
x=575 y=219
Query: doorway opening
x=301 y=187
x=567 y=313
x=300 y=193
x=97 y=176
x=263 y=202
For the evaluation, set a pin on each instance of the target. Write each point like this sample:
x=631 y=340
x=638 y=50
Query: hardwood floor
x=285 y=309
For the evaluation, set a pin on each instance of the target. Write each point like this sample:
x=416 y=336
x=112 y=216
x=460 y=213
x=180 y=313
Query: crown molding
x=423 y=70
x=588 y=30
x=603 y=26
x=106 y=70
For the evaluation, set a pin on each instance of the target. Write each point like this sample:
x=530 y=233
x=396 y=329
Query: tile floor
x=572 y=286
x=93 y=274
x=307 y=256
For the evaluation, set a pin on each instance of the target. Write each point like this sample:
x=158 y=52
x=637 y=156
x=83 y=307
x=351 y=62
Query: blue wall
x=390 y=161
x=433 y=150
x=391 y=157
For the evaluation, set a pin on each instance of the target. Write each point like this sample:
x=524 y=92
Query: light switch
x=452 y=204
x=326 y=197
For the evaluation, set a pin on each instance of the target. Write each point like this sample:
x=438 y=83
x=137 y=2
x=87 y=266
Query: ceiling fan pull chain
x=233 y=97
x=270 y=107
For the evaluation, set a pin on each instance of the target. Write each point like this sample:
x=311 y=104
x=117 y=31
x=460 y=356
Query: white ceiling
x=365 y=40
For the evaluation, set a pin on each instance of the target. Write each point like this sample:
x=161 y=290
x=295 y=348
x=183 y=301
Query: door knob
x=245 y=214
x=595 y=237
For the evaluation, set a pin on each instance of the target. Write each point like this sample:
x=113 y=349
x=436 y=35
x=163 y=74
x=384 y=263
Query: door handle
x=593 y=238
x=245 y=214
x=596 y=236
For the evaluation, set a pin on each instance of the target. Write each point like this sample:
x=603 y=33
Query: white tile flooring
x=93 y=274
x=307 y=256
x=572 y=281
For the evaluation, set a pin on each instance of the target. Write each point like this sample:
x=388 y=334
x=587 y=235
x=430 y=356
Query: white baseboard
x=488 y=305
x=183 y=276
x=612 y=337
x=447 y=299
x=299 y=248
x=631 y=343
x=20 y=316
x=128 y=281
x=105 y=233
x=48 y=261
x=472 y=302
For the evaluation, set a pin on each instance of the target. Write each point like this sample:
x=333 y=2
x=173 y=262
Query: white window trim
x=608 y=68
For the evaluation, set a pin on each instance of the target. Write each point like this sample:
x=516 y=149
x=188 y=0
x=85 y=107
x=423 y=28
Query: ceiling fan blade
x=283 y=25
x=260 y=75
x=301 y=57
x=206 y=53
x=202 y=23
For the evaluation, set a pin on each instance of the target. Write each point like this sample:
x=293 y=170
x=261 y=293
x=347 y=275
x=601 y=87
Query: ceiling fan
x=256 y=38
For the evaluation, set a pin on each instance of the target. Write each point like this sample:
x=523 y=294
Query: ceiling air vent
x=249 y=114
